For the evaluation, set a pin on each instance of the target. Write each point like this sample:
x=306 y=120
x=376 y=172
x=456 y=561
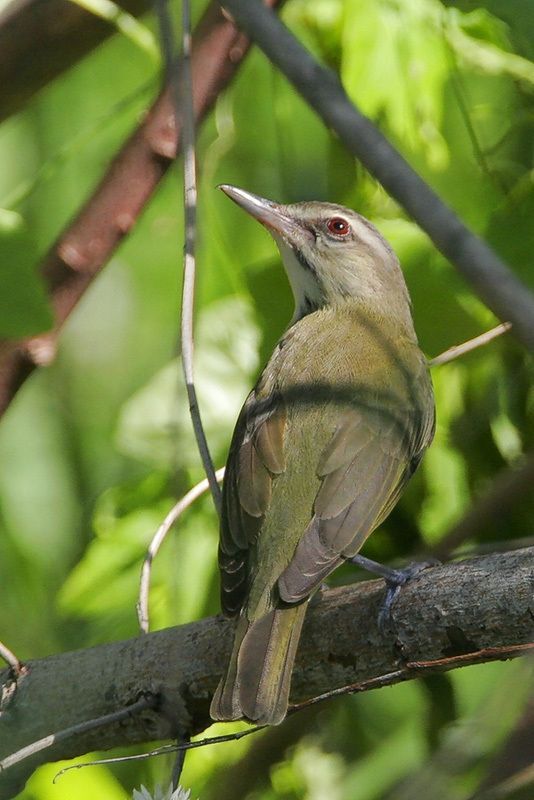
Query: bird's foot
x=317 y=596
x=395 y=579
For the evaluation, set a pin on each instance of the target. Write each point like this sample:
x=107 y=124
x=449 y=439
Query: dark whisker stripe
x=303 y=261
x=307 y=306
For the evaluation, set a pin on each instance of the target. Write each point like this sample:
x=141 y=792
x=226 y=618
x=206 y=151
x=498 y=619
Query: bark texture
x=474 y=609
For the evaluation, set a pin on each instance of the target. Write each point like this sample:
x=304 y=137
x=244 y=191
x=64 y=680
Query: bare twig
x=190 y=211
x=471 y=344
x=166 y=749
x=408 y=672
x=491 y=278
x=90 y=239
x=82 y=727
x=11 y=659
x=177 y=769
x=158 y=539
x=415 y=669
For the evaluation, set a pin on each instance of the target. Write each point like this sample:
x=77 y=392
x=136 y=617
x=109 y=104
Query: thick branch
x=41 y=38
x=132 y=177
x=492 y=279
x=449 y=610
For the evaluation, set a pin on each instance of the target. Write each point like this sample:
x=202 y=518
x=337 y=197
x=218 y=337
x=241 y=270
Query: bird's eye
x=338 y=226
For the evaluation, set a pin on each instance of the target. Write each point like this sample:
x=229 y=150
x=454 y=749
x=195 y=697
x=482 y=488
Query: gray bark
x=454 y=609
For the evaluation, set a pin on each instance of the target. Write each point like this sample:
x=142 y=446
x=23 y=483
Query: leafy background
x=96 y=448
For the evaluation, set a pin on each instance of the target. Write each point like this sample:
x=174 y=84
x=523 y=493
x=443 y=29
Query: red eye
x=338 y=225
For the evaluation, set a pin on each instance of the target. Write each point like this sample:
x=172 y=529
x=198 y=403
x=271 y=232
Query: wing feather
x=256 y=456
x=364 y=469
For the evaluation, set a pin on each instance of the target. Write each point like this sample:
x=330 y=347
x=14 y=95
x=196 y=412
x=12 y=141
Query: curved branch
x=456 y=613
x=156 y=542
x=88 y=242
x=491 y=278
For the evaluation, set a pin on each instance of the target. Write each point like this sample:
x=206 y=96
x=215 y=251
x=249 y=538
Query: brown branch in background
x=491 y=278
x=516 y=787
x=39 y=39
x=507 y=489
x=513 y=766
x=250 y=775
x=455 y=613
x=92 y=237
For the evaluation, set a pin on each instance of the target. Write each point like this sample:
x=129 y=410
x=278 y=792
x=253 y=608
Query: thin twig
x=148 y=701
x=413 y=669
x=177 y=768
x=338 y=641
x=491 y=278
x=409 y=671
x=168 y=748
x=188 y=292
x=11 y=659
x=158 y=539
x=181 y=83
x=461 y=349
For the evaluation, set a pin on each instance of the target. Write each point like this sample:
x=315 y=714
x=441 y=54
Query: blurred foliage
x=95 y=449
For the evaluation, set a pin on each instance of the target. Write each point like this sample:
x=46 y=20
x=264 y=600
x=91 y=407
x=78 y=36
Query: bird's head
x=331 y=254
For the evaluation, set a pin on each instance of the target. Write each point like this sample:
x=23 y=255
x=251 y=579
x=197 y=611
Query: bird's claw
x=394 y=579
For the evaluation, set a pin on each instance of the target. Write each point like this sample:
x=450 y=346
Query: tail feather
x=257 y=682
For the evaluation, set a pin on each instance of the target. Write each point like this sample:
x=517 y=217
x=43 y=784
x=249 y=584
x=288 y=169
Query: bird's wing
x=364 y=469
x=256 y=455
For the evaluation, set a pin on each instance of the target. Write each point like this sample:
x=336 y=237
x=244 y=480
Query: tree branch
x=459 y=350
x=39 y=39
x=470 y=609
x=491 y=278
x=90 y=239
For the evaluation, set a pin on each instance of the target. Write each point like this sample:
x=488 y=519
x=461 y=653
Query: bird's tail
x=256 y=684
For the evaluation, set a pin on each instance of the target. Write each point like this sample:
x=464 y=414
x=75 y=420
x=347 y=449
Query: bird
x=324 y=445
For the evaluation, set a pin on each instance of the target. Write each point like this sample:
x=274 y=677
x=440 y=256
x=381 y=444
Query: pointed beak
x=272 y=215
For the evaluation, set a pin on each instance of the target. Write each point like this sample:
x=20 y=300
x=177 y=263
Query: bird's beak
x=272 y=215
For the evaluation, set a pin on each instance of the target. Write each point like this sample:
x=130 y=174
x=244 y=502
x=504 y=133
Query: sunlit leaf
x=126 y=23
x=155 y=424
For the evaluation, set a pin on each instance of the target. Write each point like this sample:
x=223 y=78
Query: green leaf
x=155 y=426
x=24 y=308
x=487 y=54
x=394 y=64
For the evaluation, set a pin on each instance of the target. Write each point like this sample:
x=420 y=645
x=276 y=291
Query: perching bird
x=324 y=445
